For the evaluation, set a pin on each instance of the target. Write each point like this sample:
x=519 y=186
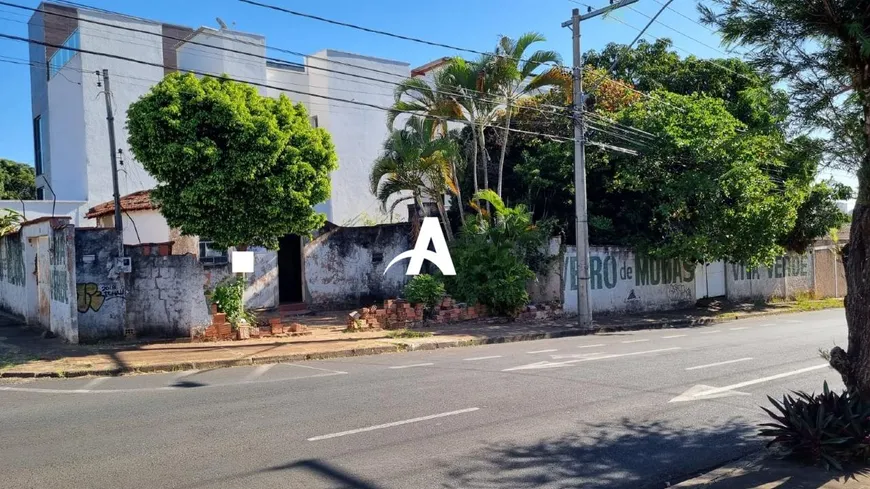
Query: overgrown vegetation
x=829 y=428
x=425 y=289
x=17 y=180
x=228 y=295
x=408 y=333
x=493 y=256
x=10 y=221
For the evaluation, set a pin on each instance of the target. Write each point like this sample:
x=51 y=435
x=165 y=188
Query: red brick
x=219 y=318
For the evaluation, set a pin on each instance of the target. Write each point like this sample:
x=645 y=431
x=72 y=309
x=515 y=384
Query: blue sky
x=475 y=24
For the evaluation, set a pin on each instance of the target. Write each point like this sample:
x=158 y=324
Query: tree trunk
x=482 y=140
x=474 y=156
x=458 y=193
x=507 y=130
x=854 y=365
x=444 y=220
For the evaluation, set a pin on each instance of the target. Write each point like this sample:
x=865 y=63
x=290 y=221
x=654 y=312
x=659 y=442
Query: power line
x=265 y=85
x=379 y=32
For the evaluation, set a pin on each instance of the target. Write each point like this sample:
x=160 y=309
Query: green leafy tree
x=821 y=49
x=232 y=165
x=415 y=160
x=17 y=181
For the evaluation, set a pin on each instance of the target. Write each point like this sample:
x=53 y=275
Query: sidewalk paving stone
x=763 y=470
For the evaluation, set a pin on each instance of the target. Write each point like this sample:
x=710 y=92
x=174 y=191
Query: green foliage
x=493 y=254
x=424 y=289
x=818 y=215
x=231 y=164
x=17 y=181
x=828 y=428
x=229 y=297
x=408 y=333
x=10 y=221
x=821 y=50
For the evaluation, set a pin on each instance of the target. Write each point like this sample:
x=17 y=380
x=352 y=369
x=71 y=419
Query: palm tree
x=415 y=159
x=516 y=78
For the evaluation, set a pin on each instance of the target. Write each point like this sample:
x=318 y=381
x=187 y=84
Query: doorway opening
x=290 y=269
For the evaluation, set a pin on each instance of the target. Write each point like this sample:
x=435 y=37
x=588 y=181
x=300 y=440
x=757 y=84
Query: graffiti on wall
x=92 y=296
x=785 y=266
x=58 y=262
x=605 y=272
x=14 y=262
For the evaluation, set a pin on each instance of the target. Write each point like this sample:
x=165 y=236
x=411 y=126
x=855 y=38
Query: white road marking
x=634 y=341
x=155 y=389
x=412 y=365
x=720 y=363
x=257 y=372
x=711 y=332
x=545 y=364
x=696 y=394
x=391 y=425
x=474 y=359
x=674 y=336
x=95 y=382
x=769 y=324
x=739 y=329
x=792 y=321
x=591 y=346
x=541 y=351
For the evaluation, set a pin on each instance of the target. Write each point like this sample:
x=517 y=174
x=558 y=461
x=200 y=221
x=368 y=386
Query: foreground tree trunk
x=854 y=364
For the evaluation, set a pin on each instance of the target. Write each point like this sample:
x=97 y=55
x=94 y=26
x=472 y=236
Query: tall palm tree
x=516 y=78
x=415 y=159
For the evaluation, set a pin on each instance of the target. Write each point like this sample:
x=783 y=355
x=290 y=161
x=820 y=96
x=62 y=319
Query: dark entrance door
x=290 y=269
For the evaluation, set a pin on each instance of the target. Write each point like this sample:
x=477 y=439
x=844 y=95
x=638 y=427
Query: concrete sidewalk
x=25 y=354
x=764 y=471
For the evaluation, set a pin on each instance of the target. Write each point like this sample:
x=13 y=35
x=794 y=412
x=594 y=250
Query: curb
x=397 y=347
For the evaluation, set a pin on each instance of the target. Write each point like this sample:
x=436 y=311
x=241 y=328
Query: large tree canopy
x=17 y=181
x=232 y=165
x=715 y=176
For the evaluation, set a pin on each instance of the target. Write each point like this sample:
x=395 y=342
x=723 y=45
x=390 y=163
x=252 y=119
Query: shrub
x=228 y=295
x=828 y=428
x=426 y=290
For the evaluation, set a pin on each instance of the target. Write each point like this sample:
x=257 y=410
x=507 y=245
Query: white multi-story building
x=72 y=155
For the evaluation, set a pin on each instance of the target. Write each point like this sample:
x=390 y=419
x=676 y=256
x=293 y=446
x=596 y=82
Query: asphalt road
x=626 y=410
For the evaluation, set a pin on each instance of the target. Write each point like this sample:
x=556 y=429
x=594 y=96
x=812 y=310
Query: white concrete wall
x=358 y=132
x=341 y=268
x=129 y=81
x=622 y=282
x=45 y=294
x=66 y=134
x=290 y=79
x=222 y=52
x=147 y=226
x=790 y=275
x=34 y=209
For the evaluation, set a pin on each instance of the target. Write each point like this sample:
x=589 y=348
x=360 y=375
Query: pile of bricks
x=399 y=314
x=220 y=329
x=395 y=314
x=541 y=311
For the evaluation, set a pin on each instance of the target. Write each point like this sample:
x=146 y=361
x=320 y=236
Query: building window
x=210 y=255
x=62 y=56
x=314 y=121
x=40 y=193
x=37 y=144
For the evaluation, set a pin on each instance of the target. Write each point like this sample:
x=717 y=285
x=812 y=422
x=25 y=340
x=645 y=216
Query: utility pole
x=110 y=119
x=584 y=310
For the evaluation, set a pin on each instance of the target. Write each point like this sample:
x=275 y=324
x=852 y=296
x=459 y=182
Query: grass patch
x=408 y=333
x=12 y=360
x=803 y=304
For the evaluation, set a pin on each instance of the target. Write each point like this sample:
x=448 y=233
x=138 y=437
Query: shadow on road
x=625 y=454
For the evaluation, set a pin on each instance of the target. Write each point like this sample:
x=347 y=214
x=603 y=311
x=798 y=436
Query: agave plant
x=10 y=221
x=828 y=428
